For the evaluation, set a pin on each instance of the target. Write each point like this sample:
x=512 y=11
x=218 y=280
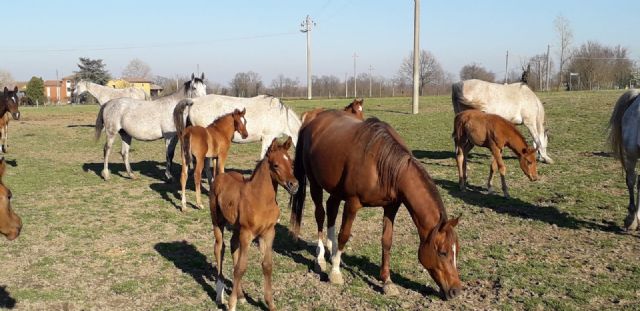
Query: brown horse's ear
x=287 y=144
x=6 y=90
x=450 y=224
x=274 y=144
x=15 y=89
x=244 y=110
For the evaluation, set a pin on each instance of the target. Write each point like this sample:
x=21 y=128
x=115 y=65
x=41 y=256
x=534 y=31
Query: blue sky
x=225 y=37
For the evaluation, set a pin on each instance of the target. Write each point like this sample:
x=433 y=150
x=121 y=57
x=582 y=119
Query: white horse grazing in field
x=267 y=117
x=144 y=120
x=515 y=102
x=104 y=93
x=624 y=135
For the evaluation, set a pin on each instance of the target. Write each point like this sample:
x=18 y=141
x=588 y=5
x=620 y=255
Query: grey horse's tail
x=615 y=123
x=179 y=119
x=296 y=203
x=99 y=123
x=457 y=98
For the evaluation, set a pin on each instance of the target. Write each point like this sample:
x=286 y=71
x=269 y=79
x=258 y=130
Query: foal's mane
x=393 y=158
x=219 y=119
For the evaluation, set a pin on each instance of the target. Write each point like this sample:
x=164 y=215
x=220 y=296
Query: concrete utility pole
x=548 y=69
x=416 y=56
x=370 y=78
x=306 y=25
x=506 y=69
x=346 y=86
x=355 y=83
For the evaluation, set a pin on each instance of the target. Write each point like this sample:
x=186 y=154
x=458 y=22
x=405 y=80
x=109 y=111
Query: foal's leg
x=244 y=240
x=459 y=162
x=218 y=233
x=207 y=171
x=390 y=212
x=170 y=144
x=126 y=145
x=497 y=156
x=183 y=180
x=197 y=175
x=107 y=150
x=351 y=207
x=316 y=197
x=631 y=222
x=492 y=168
x=266 y=244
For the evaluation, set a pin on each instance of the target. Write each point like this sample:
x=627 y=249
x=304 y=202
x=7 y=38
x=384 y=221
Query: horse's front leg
x=266 y=247
x=126 y=145
x=631 y=222
x=106 y=151
x=460 y=163
x=497 y=156
x=390 y=212
x=170 y=145
x=316 y=197
x=351 y=208
x=492 y=168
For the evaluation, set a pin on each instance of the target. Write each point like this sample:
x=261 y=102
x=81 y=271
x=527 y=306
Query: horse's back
x=514 y=102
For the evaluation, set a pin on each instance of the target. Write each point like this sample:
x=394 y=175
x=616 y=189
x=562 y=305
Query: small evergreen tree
x=35 y=90
x=92 y=70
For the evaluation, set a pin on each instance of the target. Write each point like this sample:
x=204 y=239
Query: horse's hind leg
x=316 y=197
x=218 y=233
x=126 y=144
x=631 y=221
x=492 y=168
x=197 y=175
x=207 y=171
x=460 y=162
x=106 y=151
x=387 y=239
x=170 y=144
x=240 y=243
x=351 y=208
x=266 y=245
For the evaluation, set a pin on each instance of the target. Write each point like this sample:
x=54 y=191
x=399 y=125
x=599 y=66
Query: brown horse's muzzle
x=453 y=292
x=16 y=115
x=292 y=187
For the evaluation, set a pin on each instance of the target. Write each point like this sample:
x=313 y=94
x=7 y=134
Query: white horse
x=104 y=93
x=624 y=135
x=144 y=120
x=515 y=102
x=267 y=117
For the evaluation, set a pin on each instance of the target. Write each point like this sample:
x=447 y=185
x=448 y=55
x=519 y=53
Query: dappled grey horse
x=144 y=120
x=104 y=93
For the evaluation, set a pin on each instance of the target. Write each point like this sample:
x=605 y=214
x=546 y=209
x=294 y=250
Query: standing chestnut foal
x=354 y=108
x=209 y=142
x=10 y=222
x=250 y=208
x=476 y=128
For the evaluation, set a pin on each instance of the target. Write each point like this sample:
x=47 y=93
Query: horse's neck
x=261 y=182
x=422 y=200
x=516 y=143
x=224 y=126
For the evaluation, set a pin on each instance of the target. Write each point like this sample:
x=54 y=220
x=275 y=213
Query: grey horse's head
x=195 y=87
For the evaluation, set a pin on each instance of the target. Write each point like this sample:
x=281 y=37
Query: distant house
x=59 y=91
x=156 y=90
x=140 y=83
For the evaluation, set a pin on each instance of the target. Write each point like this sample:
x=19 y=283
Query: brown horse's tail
x=615 y=123
x=297 y=200
x=99 y=123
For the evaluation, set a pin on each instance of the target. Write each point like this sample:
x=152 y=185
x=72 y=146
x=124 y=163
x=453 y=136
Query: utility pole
x=506 y=69
x=370 y=78
x=346 y=85
x=57 y=87
x=355 y=84
x=416 y=56
x=548 y=69
x=306 y=25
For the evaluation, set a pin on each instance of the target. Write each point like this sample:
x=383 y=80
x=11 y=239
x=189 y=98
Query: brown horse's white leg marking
x=453 y=248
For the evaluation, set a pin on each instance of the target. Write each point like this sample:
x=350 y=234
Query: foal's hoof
x=631 y=222
x=335 y=277
x=390 y=289
x=320 y=266
x=199 y=206
x=133 y=176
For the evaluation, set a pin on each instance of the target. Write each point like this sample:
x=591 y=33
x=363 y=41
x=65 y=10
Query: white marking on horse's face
x=359 y=108
x=453 y=248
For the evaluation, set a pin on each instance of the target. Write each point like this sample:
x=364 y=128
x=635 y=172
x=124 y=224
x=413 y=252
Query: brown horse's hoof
x=320 y=266
x=335 y=277
x=390 y=289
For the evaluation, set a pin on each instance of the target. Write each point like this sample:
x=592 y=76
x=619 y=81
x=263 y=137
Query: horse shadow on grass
x=358 y=266
x=516 y=207
x=12 y=163
x=152 y=169
x=189 y=260
x=81 y=125
x=6 y=301
x=443 y=155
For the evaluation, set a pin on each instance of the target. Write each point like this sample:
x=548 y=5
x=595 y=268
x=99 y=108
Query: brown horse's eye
x=9 y=195
x=442 y=254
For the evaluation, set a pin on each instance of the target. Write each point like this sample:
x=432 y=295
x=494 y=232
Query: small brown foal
x=476 y=128
x=355 y=108
x=250 y=207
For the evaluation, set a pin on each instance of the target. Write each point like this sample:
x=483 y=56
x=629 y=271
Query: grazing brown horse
x=8 y=104
x=476 y=128
x=250 y=207
x=368 y=164
x=205 y=143
x=10 y=222
x=354 y=108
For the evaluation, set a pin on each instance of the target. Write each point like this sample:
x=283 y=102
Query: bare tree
x=246 y=84
x=430 y=69
x=137 y=69
x=6 y=79
x=600 y=66
x=538 y=71
x=565 y=36
x=476 y=71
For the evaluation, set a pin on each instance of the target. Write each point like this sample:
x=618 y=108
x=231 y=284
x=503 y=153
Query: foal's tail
x=99 y=123
x=615 y=123
x=297 y=200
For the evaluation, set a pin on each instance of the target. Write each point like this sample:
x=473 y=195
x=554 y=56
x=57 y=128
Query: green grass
x=122 y=244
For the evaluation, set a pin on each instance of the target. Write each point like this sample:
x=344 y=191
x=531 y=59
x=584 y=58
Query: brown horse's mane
x=393 y=157
x=219 y=119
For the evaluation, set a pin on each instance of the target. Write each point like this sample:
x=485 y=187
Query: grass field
x=122 y=244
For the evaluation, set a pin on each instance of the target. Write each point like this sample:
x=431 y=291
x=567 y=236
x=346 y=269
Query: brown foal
x=250 y=207
x=10 y=222
x=354 y=108
x=476 y=128
x=211 y=142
